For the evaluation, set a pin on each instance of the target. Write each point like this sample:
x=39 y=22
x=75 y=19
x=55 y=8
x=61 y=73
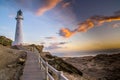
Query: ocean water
x=87 y=53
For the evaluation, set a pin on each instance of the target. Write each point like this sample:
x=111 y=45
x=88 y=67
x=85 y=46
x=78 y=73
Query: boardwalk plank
x=32 y=70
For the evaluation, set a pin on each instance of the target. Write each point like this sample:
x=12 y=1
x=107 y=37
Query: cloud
x=53 y=38
x=39 y=7
x=42 y=43
x=51 y=47
x=117 y=12
x=116 y=25
x=56 y=45
x=11 y=16
x=88 y=24
x=62 y=43
x=59 y=43
x=66 y=4
x=65 y=32
x=49 y=4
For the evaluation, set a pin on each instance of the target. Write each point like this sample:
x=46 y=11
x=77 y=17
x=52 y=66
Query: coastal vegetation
x=5 y=41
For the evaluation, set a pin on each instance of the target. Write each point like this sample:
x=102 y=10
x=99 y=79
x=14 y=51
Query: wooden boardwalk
x=32 y=69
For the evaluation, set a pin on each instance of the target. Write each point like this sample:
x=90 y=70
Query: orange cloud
x=88 y=24
x=65 y=32
x=83 y=27
x=48 y=6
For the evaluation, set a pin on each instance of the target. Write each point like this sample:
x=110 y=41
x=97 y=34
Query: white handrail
x=50 y=77
x=52 y=69
x=47 y=66
x=62 y=77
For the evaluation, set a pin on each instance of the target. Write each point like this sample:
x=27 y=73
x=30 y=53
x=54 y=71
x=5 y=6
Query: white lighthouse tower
x=18 y=35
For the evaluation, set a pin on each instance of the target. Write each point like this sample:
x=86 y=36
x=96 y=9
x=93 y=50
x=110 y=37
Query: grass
x=5 y=41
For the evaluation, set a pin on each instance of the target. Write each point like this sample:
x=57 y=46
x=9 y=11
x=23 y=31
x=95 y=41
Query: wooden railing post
x=40 y=62
x=44 y=65
x=46 y=71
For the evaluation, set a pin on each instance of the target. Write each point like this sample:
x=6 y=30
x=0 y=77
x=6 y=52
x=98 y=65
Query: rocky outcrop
x=100 y=67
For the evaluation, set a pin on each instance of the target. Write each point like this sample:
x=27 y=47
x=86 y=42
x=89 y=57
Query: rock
x=21 y=60
x=11 y=65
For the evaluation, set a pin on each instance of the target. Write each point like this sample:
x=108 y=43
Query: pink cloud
x=66 y=4
x=50 y=4
x=116 y=25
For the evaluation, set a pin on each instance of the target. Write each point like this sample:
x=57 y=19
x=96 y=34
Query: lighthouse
x=18 y=34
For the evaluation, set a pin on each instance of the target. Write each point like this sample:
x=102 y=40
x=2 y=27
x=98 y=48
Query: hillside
x=11 y=63
x=100 y=67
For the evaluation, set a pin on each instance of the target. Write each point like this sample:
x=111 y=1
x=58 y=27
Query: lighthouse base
x=14 y=43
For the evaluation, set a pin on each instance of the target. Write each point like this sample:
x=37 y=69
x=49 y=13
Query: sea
x=87 y=53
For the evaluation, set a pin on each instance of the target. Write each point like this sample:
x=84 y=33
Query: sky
x=64 y=26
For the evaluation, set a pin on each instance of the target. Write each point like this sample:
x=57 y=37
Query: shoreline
x=87 y=53
x=97 y=67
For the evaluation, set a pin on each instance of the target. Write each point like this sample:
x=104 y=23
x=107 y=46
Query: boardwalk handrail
x=46 y=66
